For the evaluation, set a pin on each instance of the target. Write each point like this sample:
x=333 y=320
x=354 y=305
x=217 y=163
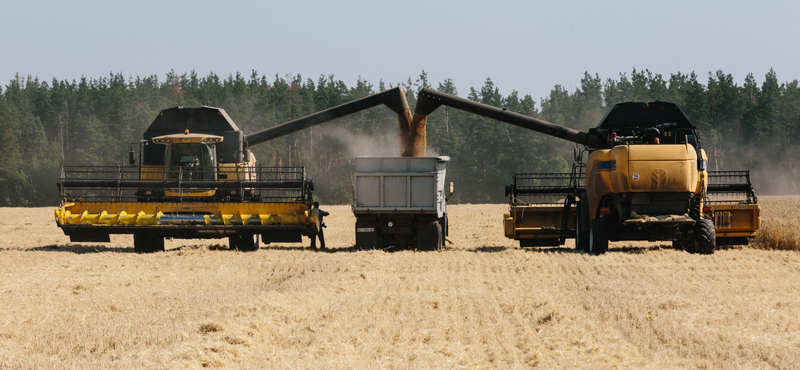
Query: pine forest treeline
x=93 y=122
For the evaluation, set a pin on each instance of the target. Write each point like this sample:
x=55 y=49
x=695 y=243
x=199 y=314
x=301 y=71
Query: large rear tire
x=685 y=244
x=429 y=237
x=244 y=242
x=581 y=222
x=705 y=237
x=598 y=236
x=144 y=242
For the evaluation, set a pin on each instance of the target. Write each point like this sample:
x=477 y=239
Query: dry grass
x=781 y=228
x=481 y=303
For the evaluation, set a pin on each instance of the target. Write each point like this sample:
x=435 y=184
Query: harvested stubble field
x=483 y=302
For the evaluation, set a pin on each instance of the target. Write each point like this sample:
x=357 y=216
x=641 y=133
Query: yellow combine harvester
x=645 y=178
x=542 y=207
x=190 y=185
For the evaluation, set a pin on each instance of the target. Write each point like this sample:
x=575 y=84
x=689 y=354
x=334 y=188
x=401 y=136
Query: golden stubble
x=483 y=302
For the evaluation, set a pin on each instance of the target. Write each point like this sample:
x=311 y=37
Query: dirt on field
x=482 y=302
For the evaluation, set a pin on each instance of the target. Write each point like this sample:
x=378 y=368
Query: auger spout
x=430 y=99
x=394 y=98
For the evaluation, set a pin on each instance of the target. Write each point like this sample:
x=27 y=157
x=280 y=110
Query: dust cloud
x=377 y=144
x=773 y=171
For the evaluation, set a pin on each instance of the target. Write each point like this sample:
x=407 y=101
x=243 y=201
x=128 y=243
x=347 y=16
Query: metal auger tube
x=394 y=98
x=429 y=100
x=183 y=184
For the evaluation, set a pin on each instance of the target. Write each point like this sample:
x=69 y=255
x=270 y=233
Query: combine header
x=98 y=201
x=542 y=207
x=737 y=215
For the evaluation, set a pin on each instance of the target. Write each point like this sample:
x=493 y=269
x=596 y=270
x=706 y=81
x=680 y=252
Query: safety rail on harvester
x=543 y=188
x=576 y=182
x=184 y=184
x=731 y=187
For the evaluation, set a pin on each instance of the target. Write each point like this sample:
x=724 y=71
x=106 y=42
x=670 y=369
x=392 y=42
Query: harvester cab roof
x=204 y=125
x=645 y=123
x=187 y=138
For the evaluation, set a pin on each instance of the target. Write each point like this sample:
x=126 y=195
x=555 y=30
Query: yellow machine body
x=148 y=214
x=537 y=224
x=641 y=169
x=737 y=220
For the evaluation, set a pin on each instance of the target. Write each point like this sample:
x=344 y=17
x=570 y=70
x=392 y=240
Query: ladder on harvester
x=576 y=183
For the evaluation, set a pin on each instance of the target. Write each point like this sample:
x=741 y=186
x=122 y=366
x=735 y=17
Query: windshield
x=196 y=161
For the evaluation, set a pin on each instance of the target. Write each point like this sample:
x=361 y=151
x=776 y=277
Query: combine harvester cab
x=202 y=184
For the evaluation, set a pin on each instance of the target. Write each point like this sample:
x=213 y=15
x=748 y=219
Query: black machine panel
x=206 y=120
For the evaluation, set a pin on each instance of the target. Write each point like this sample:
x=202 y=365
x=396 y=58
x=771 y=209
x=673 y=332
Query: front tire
x=429 y=238
x=244 y=242
x=685 y=244
x=598 y=236
x=705 y=237
x=581 y=221
x=147 y=243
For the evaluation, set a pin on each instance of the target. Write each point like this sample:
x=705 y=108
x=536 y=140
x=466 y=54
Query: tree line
x=93 y=121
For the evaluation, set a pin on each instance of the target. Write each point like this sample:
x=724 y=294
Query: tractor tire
x=705 y=237
x=147 y=243
x=598 y=236
x=687 y=245
x=429 y=237
x=244 y=242
x=581 y=220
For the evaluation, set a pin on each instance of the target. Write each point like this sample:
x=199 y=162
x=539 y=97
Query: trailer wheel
x=429 y=238
x=243 y=242
x=705 y=237
x=147 y=243
x=598 y=236
x=581 y=222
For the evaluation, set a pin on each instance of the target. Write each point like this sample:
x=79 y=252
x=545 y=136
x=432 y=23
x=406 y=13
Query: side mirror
x=132 y=154
x=576 y=154
x=246 y=155
x=451 y=192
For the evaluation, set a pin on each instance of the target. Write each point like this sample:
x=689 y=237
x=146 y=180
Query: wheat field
x=481 y=303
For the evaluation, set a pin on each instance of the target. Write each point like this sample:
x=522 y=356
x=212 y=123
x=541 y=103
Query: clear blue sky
x=528 y=46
